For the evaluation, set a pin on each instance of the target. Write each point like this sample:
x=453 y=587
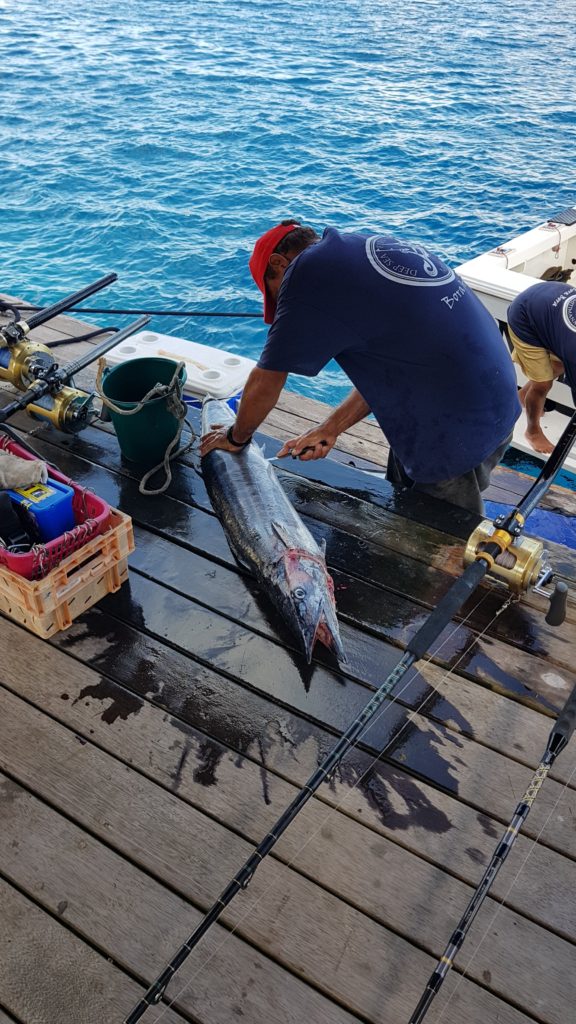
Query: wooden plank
x=412 y=506
x=319 y=936
x=360 y=517
x=311 y=408
x=363 y=605
x=518 y=483
x=388 y=617
x=297 y=412
x=539 y=638
x=376 y=525
x=49 y=976
x=311 y=412
x=215 y=731
x=314 y=411
x=66 y=868
x=511 y=674
x=459 y=703
x=169 y=521
x=431 y=751
x=284 y=425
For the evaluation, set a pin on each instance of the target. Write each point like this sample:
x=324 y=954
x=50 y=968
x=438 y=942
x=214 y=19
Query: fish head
x=308 y=601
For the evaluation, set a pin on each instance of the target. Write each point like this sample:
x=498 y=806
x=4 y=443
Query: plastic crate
x=90 y=513
x=98 y=568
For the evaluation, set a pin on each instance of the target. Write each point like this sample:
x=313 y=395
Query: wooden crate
x=78 y=582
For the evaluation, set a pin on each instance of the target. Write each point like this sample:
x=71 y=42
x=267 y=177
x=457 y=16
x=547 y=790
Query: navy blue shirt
x=422 y=350
x=544 y=315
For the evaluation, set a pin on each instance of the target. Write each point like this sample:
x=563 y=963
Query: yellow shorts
x=536 y=363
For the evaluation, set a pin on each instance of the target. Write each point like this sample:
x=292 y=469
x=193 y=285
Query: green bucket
x=145 y=435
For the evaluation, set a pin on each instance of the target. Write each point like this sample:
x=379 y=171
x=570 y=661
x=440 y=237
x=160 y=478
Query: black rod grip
x=563 y=727
x=447 y=607
x=23 y=400
x=557 y=610
x=71 y=300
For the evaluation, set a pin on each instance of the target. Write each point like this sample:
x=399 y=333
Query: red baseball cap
x=258 y=263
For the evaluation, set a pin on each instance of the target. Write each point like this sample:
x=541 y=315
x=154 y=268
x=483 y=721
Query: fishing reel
x=25 y=362
x=68 y=409
x=32 y=368
x=522 y=564
x=22 y=362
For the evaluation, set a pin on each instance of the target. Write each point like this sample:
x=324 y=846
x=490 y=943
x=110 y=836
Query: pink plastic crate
x=92 y=516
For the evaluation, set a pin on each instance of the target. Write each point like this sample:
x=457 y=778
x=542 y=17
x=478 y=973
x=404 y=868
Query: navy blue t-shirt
x=544 y=315
x=414 y=340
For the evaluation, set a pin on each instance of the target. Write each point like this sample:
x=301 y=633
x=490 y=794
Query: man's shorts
x=536 y=363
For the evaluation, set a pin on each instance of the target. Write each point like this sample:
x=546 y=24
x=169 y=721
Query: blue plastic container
x=48 y=507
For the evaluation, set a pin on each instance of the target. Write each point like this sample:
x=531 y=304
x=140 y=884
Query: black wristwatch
x=237 y=444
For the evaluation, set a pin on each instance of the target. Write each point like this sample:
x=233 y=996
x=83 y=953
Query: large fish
x=267 y=536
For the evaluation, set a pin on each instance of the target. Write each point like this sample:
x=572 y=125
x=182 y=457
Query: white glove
x=17 y=472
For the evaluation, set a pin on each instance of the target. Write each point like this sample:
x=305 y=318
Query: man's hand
x=216 y=438
x=259 y=397
x=314 y=444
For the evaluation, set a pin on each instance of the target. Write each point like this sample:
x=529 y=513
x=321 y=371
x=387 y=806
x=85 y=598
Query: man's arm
x=261 y=392
x=316 y=443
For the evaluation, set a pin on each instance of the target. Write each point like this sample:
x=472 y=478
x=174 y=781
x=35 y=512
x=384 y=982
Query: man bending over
x=423 y=353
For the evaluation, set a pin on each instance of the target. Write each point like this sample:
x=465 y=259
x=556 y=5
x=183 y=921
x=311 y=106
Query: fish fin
x=282 y=533
x=240 y=557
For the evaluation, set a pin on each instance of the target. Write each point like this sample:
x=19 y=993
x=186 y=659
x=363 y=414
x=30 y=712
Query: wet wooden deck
x=147 y=748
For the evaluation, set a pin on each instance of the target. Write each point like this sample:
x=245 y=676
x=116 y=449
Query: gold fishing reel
x=520 y=565
x=68 y=409
x=21 y=363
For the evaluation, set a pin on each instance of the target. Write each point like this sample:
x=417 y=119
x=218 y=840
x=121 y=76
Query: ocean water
x=158 y=139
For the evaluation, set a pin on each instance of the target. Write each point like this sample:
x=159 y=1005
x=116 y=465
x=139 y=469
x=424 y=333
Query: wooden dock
x=145 y=751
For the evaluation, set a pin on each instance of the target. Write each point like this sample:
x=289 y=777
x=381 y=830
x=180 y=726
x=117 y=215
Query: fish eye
x=299 y=593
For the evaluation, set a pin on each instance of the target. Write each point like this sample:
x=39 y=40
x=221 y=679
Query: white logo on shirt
x=407 y=262
x=569 y=313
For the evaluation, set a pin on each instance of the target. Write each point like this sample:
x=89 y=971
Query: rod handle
x=563 y=727
x=557 y=610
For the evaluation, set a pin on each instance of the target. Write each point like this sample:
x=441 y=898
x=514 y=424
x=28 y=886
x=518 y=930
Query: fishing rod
x=558 y=739
x=256 y=315
x=20 y=358
x=12 y=333
x=47 y=396
x=491 y=544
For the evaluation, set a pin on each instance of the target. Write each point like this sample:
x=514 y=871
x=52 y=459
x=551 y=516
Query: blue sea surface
x=159 y=139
